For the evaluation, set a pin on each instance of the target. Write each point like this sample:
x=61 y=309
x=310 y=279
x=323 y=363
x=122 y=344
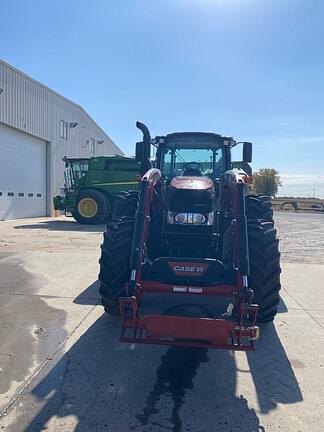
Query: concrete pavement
x=63 y=369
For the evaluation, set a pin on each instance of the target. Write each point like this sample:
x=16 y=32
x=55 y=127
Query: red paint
x=196 y=183
x=187 y=331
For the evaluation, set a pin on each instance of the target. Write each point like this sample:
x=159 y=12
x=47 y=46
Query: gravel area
x=301 y=237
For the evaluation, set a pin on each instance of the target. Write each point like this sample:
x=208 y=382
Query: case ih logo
x=188 y=268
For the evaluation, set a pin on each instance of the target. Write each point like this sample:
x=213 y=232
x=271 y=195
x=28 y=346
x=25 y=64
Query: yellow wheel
x=87 y=207
x=92 y=207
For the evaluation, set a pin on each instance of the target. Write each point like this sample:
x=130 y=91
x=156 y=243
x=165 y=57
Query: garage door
x=22 y=175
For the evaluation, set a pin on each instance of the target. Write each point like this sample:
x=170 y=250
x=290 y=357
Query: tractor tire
x=264 y=268
x=114 y=262
x=92 y=207
x=259 y=207
x=125 y=205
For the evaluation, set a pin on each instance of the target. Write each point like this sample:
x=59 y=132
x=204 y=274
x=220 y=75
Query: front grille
x=194 y=201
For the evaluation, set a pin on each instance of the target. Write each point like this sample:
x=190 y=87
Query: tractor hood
x=192 y=183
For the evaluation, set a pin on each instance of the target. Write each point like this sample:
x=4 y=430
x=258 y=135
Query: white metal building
x=38 y=127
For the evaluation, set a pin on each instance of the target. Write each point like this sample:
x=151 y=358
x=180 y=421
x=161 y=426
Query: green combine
x=91 y=186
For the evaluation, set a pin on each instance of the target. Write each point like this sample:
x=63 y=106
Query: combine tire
x=92 y=207
x=114 y=262
x=125 y=204
x=265 y=267
x=259 y=207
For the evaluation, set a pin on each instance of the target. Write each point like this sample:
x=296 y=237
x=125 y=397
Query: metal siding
x=31 y=107
x=23 y=103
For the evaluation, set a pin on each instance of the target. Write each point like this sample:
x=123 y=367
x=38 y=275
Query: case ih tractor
x=191 y=259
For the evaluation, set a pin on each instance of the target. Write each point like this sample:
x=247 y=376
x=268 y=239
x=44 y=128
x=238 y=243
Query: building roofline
x=13 y=68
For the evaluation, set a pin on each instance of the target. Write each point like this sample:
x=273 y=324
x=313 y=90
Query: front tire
x=114 y=262
x=259 y=207
x=264 y=268
x=92 y=207
x=125 y=205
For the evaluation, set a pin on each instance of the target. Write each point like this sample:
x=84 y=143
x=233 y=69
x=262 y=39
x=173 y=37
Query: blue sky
x=253 y=69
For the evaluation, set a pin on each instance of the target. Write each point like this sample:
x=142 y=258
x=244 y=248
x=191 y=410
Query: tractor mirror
x=247 y=152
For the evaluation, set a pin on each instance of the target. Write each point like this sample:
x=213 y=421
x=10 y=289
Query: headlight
x=197 y=218
x=190 y=218
x=181 y=218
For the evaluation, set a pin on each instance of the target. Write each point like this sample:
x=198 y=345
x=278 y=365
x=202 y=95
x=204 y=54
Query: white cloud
x=302 y=179
x=302 y=185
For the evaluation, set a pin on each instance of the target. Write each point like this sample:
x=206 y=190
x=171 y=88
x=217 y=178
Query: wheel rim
x=87 y=207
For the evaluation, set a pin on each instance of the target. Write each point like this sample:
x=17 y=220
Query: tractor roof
x=110 y=157
x=193 y=139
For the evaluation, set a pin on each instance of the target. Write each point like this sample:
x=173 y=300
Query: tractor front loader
x=194 y=260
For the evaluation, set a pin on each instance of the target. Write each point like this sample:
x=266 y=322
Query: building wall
x=29 y=106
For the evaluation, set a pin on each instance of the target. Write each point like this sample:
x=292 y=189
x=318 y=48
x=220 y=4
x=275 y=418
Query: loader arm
x=186 y=330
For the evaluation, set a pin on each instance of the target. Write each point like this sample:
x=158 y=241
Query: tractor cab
x=192 y=166
x=75 y=171
x=192 y=155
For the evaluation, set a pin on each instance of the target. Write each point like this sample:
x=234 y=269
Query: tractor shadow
x=105 y=385
x=272 y=373
x=174 y=377
x=212 y=400
x=282 y=307
x=208 y=402
x=62 y=225
x=90 y=296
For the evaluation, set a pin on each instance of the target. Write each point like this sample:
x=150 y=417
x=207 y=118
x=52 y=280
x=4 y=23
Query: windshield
x=74 y=171
x=185 y=161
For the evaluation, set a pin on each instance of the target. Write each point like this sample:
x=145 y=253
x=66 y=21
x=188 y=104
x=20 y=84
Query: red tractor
x=191 y=259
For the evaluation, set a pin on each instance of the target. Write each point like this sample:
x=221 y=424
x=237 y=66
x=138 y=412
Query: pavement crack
x=304 y=309
x=47 y=296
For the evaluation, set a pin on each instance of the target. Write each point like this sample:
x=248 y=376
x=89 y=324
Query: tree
x=266 y=182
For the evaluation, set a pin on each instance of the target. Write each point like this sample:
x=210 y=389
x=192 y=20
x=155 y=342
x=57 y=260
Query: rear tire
x=114 y=262
x=92 y=207
x=264 y=268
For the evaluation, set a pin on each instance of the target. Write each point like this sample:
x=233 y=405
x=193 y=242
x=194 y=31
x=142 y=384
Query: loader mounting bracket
x=189 y=331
